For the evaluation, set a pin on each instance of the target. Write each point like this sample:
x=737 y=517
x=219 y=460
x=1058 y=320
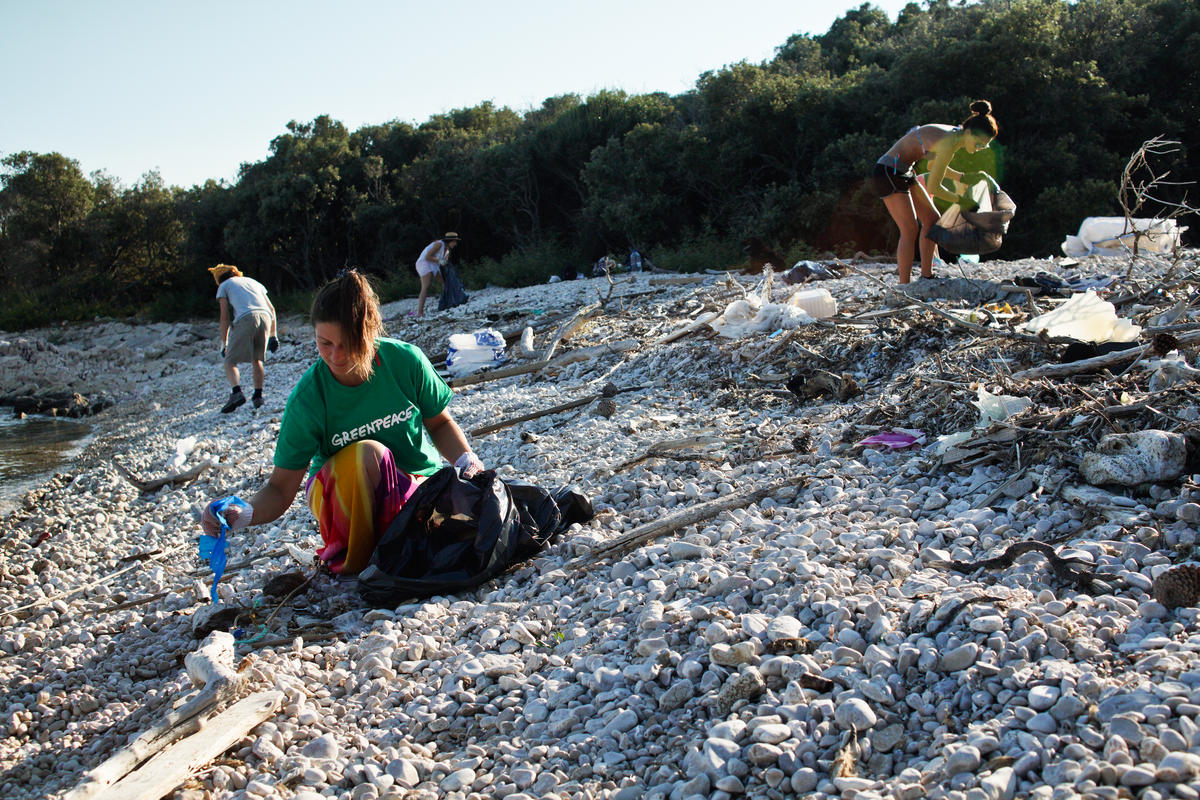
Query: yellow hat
x=450 y=236
x=220 y=270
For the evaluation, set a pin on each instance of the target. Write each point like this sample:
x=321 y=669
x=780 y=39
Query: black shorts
x=887 y=180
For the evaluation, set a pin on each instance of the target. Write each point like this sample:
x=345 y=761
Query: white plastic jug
x=817 y=303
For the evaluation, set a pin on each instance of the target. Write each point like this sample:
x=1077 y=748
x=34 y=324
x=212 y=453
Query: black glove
x=273 y=343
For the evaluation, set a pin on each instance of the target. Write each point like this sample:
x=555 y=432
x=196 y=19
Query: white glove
x=237 y=515
x=468 y=464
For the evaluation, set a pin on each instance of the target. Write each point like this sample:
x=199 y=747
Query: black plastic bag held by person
x=454 y=534
x=453 y=293
x=975 y=232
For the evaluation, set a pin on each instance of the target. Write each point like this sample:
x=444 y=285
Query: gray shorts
x=247 y=340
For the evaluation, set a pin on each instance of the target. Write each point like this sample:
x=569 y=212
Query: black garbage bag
x=975 y=232
x=453 y=293
x=454 y=534
x=1079 y=351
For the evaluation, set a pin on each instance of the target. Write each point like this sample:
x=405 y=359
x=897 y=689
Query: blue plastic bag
x=212 y=548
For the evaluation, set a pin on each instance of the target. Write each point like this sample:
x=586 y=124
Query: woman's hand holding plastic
x=237 y=516
x=468 y=464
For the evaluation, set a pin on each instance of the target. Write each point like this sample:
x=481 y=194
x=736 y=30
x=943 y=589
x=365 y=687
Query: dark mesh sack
x=453 y=293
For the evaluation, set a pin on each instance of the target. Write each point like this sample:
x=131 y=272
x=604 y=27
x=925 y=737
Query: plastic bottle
x=817 y=303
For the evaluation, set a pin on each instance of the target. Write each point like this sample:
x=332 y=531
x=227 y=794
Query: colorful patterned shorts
x=353 y=510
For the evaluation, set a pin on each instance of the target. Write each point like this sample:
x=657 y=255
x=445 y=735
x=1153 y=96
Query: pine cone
x=605 y=407
x=1178 y=586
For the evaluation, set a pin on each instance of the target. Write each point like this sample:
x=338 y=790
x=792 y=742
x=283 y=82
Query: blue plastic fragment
x=212 y=548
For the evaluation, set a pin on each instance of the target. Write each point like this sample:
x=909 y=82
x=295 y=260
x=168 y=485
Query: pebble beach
x=811 y=643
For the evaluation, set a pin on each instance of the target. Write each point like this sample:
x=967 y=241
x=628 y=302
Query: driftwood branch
x=49 y=600
x=1141 y=183
x=1070 y=570
x=698 y=322
x=658 y=528
x=582 y=354
x=211 y=670
x=667 y=446
x=1097 y=363
x=162 y=774
x=608 y=391
x=571 y=327
x=945 y=615
x=146 y=487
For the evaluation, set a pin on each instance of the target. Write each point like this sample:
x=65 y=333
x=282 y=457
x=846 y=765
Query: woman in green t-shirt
x=366 y=423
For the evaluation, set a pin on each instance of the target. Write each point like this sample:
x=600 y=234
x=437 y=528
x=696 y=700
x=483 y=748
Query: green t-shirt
x=322 y=416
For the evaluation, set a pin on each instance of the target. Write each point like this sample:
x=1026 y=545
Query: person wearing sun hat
x=435 y=254
x=248 y=329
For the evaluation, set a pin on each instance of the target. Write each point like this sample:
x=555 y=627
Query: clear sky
x=193 y=89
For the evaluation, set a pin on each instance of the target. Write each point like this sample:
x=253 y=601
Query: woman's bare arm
x=939 y=169
x=447 y=437
x=276 y=496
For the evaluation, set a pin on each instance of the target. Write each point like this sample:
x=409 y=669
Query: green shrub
x=525 y=266
x=706 y=251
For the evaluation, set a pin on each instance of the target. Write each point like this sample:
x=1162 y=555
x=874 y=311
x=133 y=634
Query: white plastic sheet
x=1114 y=236
x=1087 y=318
x=756 y=314
x=992 y=408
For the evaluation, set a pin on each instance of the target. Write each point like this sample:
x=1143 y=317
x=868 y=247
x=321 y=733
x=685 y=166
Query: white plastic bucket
x=817 y=303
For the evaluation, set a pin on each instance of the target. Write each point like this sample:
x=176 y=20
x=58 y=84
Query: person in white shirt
x=435 y=254
x=248 y=330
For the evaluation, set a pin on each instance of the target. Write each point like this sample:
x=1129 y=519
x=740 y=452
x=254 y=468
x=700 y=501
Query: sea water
x=31 y=449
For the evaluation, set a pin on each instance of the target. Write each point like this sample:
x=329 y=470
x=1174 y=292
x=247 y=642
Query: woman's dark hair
x=981 y=120
x=349 y=301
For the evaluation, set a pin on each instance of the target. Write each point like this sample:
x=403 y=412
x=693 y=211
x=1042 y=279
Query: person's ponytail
x=349 y=301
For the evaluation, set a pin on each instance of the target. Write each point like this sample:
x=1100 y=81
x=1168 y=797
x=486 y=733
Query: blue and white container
x=470 y=352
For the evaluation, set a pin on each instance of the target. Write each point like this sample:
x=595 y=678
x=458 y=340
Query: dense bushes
x=775 y=150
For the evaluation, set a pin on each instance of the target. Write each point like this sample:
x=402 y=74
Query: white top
x=245 y=295
x=433 y=256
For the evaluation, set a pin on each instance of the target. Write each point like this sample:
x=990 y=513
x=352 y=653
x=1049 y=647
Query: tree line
x=776 y=150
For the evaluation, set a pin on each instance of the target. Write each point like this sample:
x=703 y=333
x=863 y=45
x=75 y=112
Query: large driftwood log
x=658 y=528
x=174 y=765
x=211 y=670
x=582 y=354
